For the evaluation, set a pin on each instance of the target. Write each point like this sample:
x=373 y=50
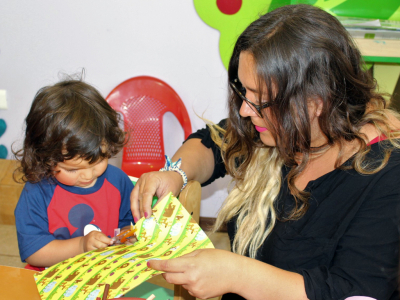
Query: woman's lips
x=260 y=129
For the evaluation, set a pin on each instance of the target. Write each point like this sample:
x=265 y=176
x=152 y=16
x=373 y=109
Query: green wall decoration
x=231 y=17
x=231 y=25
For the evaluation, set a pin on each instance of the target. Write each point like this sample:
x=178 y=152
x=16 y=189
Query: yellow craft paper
x=170 y=232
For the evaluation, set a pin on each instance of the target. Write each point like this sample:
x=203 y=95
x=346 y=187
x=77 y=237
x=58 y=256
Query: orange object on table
x=126 y=234
x=17 y=283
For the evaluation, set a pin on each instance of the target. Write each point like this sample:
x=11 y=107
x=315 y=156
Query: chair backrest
x=143 y=101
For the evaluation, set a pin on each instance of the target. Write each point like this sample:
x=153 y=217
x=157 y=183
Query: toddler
x=71 y=132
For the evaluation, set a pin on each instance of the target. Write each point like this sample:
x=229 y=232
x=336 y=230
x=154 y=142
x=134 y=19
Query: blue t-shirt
x=51 y=210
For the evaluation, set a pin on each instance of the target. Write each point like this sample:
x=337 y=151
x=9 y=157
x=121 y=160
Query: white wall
x=113 y=41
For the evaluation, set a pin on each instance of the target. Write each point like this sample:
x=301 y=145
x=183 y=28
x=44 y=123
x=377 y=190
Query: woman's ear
x=315 y=106
x=320 y=106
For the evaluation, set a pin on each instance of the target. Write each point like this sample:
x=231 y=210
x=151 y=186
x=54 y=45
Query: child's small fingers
x=94 y=245
x=131 y=240
x=101 y=243
x=102 y=238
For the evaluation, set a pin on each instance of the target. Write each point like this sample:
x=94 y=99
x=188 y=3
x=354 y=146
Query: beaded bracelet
x=175 y=166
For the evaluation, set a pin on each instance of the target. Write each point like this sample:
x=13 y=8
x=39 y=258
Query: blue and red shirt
x=51 y=210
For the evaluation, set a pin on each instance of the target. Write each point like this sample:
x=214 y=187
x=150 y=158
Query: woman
x=313 y=153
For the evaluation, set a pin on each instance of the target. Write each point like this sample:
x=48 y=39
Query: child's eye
x=71 y=171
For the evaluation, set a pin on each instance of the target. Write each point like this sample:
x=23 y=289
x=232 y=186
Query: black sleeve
x=366 y=257
x=205 y=136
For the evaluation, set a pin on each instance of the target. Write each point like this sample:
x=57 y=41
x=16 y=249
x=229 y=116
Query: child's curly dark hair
x=67 y=120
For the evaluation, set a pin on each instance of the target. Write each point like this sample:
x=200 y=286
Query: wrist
x=178 y=179
x=238 y=282
x=82 y=244
x=175 y=167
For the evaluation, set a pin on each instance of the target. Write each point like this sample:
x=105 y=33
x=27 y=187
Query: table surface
x=17 y=283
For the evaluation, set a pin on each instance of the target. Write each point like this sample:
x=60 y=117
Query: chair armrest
x=190 y=198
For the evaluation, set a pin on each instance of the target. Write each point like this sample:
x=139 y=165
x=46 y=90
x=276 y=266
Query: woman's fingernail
x=145 y=214
x=148 y=264
x=135 y=219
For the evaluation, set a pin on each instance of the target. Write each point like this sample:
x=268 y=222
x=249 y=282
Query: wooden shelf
x=9 y=191
x=386 y=51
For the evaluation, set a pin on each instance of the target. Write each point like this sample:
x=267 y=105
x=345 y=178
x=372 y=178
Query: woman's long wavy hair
x=303 y=53
x=67 y=120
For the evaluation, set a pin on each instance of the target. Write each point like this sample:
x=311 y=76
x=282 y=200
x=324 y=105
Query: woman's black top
x=347 y=242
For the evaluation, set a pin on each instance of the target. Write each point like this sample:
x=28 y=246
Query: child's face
x=78 y=172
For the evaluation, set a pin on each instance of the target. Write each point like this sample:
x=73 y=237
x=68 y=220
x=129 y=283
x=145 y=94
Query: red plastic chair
x=143 y=101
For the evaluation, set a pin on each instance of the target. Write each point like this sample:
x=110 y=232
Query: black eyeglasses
x=241 y=91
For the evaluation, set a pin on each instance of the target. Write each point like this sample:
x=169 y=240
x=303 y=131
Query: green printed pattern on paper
x=170 y=232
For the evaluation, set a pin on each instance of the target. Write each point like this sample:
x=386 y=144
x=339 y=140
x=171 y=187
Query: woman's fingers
x=175 y=278
x=135 y=206
x=175 y=265
x=142 y=196
x=149 y=185
x=148 y=188
x=190 y=272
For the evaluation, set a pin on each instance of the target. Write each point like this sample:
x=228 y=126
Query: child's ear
x=104 y=147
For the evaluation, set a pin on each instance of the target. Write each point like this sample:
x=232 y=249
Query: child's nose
x=87 y=174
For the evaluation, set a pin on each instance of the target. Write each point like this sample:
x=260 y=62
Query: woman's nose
x=246 y=110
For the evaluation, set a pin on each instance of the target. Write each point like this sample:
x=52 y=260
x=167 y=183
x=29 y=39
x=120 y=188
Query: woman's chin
x=268 y=140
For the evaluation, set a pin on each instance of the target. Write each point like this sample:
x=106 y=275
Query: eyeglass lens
x=241 y=91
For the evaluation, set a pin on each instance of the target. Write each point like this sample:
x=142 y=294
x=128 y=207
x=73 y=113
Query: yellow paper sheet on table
x=170 y=232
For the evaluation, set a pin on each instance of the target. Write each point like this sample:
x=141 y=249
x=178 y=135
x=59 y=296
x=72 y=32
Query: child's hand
x=127 y=236
x=131 y=241
x=95 y=240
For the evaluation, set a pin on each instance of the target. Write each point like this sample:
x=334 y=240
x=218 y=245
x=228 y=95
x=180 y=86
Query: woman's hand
x=95 y=240
x=208 y=273
x=150 y=184
x=197 y=163
x=204 y=273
